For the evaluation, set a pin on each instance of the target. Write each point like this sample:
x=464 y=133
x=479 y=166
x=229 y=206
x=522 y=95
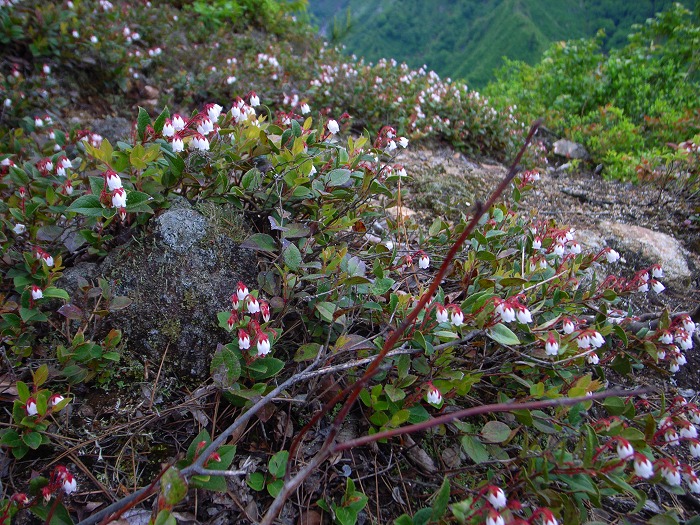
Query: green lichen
x=224 y=220
x=190 y=301
x=443 y=195
x=171 y=329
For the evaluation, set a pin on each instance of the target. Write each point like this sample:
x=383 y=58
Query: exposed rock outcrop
x=178 y=278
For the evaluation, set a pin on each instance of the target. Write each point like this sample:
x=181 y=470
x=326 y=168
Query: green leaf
x=119 y=303
x=56 y=293
x=49 y=233
x=326 y=310
x=275 y=487
x=296 y=128
x=136 y=202
x=256 y=481
x=442 y=498
x=173 y=486
x=225 y=368
x=620 y=332
x=32 y=440
x=137 y=157
x=11 y=439
x=165 y=517
x=495 y=432
x=251 y=180
x=422 y=517
x=260 y=241
x=60 y=514
x=307 y=352
x=484 y=255
x=580 y=483
x=160 y=121
x=97 y=184
x=87 y=205
x=394 y=394
x=75 y=374
x=382 y=285
x=296 y=230
x=614 y=405
x=590 y=446
x=32 y=314
x=513 y=281
x=504 y=335
x=664 y=519
x=475 y=449
x=23 y=391
x=40 y=375
x=142 y=122
x=176 y=164
x=264 y=368
x=194 y=445
x=292 y=256
x=278 y=464
x=338 y=177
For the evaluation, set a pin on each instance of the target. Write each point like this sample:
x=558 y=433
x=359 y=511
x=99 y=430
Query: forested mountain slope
x=468 y=38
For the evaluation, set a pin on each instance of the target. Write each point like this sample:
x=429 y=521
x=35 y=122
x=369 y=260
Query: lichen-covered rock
x=650 y=247
x=178 y=278
x=570 y=149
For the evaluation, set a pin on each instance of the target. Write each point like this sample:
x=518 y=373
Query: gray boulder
x=641 y=247
x=178 y=278
x=570 y=149
x=650 y=247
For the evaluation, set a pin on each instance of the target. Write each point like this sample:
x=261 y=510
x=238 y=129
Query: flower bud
x=178 y=122
x=252 y=304
x=611 y=255
x=113 y=180
x=69 y=484
x=496 y=497
x=119 y=198
x=168 y=128
x=243 y=340
x=441 y=315
x=643 y=468
x=434 y=396
x=265 y=311
x=30 y=407
x=423 y=261
x=263 y=344
x=551 y=347
x=55 y=399
x=241 y=291
x=457 y=316
x=624 y=449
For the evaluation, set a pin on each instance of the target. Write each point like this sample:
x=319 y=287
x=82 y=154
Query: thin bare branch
x=483 y=409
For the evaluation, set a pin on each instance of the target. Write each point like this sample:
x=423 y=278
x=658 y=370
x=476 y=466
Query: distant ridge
x=467 y=38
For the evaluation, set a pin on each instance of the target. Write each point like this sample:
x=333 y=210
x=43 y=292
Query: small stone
x=570 y=149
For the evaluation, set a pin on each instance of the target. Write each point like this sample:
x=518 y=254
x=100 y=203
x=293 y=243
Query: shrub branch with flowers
x=495 y=336
x=517 y=311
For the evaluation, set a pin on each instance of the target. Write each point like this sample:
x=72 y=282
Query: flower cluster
x=60 y=480
x=201 y=128
x=493 y=504
x=679 y=426
x=247 y=312
x=510 y=309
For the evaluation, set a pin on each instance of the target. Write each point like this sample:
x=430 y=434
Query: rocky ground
x=647 y=225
